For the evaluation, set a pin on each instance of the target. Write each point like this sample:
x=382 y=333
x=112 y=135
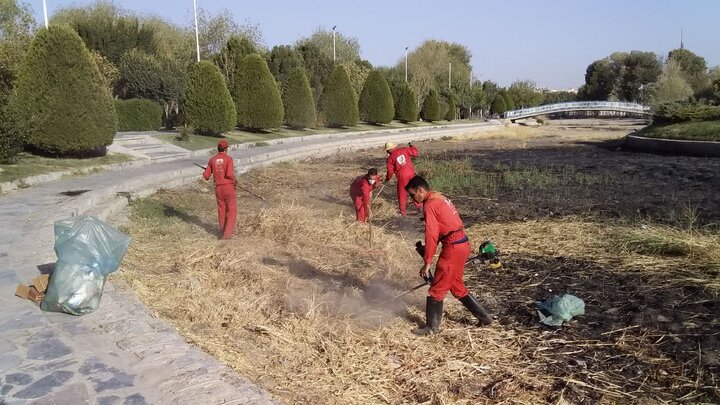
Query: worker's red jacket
x=442 y=223
x=399 y=162
x=221 y=168
x=360 y=187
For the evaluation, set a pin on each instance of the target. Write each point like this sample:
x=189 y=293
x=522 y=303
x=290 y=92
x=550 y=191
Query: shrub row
x=683 y=112
x=138 y=115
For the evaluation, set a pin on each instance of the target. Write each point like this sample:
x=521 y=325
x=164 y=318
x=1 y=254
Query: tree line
x=644 y=77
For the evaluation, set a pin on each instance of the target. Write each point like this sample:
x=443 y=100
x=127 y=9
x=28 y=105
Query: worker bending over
x=443 y=224
x=399 y=163
x=361 y=193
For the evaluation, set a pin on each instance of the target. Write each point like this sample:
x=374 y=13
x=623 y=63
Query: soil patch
x=292 y=301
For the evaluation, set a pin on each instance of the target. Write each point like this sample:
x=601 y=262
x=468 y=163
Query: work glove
x=420 y=248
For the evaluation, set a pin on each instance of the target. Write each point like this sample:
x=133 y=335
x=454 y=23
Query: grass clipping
x=291 y=306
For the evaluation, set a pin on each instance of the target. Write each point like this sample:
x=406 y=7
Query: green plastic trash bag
x=88 y=250
x=556 y=310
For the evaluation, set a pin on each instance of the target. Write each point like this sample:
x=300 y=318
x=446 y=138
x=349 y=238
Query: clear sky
x=548 y=41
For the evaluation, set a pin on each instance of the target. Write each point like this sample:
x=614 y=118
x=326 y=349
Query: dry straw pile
x=292 y=301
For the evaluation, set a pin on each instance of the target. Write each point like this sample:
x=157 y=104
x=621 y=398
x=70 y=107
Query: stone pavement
x=121 y=353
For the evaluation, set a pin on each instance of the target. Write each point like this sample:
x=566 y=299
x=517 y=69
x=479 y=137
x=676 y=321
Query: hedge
x=376 y=101
x=298 y=100
x=60 y=98
x=208 y=105
x=257 y=96
x=138 y=114
x=683 y=112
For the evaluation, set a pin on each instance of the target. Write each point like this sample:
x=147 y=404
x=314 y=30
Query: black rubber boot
x=476 y=309
x=433 y=314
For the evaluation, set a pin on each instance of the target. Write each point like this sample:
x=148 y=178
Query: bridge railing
x=578 y=105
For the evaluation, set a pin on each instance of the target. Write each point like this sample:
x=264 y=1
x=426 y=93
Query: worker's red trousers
x=402 y=181
x=449 y=272
x=360 y=212
x=227 y=209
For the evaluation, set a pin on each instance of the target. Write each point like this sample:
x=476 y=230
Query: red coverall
x=443 y=224
x=360 y=190
x=399 y=163
x=220 y=167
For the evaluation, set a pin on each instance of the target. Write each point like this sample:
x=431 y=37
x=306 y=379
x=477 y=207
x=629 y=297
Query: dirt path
x=291 y=301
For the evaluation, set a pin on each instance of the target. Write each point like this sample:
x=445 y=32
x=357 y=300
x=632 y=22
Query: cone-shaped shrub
x=208 y=105
x=257 y=97
x=338 y=101
x=498 y=105
x=298 y=100
x=509 y=102
x=406 y=109
x=61 y=99
x=431 y=107
x=376 y=101
x=452 y=107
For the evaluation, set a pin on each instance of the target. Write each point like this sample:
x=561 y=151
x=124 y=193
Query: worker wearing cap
x=220 y=167
x=399 y=163
x=360 y=192
x=443 y=224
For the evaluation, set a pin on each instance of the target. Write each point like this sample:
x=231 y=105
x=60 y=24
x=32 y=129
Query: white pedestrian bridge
x=617 y=106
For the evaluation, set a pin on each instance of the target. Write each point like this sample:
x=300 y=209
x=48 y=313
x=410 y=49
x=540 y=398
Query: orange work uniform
x=399 y=162
x=221 y=168
x=360 y=192
x=443 y=224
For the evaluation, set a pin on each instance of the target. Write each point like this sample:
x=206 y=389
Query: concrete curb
x=673 y=146
x=26 y=182
x=333 y=135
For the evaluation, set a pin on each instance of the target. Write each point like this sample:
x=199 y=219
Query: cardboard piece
x=22 y=291
x=35 y=295
x=41 y=282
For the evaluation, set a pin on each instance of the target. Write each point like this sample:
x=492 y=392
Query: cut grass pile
x=692 y=130
x=27 y=165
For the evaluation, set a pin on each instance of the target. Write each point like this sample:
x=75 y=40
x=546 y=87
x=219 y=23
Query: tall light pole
x=197 y=34
x=471 y=97
x=45 y=13
x=406 y=69
x=450 y=75
x=334 y=26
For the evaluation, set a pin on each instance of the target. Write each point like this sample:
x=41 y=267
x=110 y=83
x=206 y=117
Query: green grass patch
x=461 y=175
x=27 y=165
x=701 y=247
x=692 y=131
x=197 y=142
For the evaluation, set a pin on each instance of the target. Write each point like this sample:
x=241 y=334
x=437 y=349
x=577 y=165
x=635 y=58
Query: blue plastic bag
x=88 y=249
x=556 y=310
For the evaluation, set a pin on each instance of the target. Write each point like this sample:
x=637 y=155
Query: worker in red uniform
x=443 y=224
x=360 y=192
x=220 y=167
x=399 y=162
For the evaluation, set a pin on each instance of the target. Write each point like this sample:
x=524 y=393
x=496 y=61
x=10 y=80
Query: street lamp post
x=406 y=66
x=45 y=13
x=471 y=98
x=334 y=26
x=197 y=34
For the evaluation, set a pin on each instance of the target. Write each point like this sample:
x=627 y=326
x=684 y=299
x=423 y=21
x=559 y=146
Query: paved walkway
x=121 y=354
